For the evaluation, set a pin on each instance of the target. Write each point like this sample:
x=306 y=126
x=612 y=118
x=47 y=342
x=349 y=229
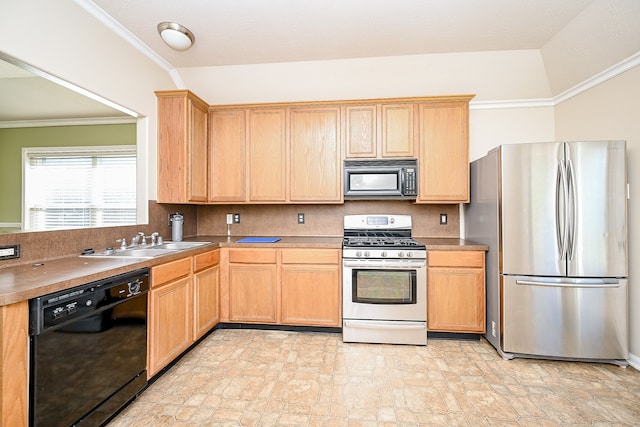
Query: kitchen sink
x=146 y=252
x=177 y=245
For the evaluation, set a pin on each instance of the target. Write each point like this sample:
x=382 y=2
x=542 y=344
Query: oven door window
x=384 y=286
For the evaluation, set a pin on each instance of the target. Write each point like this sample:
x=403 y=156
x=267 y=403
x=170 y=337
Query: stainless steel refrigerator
x=554 y=216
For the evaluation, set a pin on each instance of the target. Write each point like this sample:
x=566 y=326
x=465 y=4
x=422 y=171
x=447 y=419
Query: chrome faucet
x=123 y=243
x=154 y=238
x=135 y=241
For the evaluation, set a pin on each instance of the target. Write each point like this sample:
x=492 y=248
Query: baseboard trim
x=634 y=361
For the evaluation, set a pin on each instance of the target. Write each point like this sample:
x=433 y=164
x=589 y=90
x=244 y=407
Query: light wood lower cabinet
x=456 y=291
x=253 y=285
x=282 y=286
x=206 y=288
x=14 y=363
x=183 y=306
x=311 y=291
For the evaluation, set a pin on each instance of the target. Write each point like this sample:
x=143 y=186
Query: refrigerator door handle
x=571 y=210
x=561 y=214
x=595 y=283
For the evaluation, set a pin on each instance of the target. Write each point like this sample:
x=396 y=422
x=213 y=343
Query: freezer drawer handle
x=590 y=284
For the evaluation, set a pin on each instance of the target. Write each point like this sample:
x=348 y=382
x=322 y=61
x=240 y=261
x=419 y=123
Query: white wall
x=489 y=75
x=611 y=111
x=61 y=38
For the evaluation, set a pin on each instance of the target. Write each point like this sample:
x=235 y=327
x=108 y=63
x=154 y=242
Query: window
x=78 y=187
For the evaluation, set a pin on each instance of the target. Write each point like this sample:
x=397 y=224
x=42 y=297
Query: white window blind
x=79 y=187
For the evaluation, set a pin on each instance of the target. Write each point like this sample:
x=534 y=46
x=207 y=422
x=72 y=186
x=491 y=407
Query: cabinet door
x=397 y=130
x=182 y=148
x=311 y=295
x=267 y=155
x=360 y=131
x=252 y=293
x=227 y=156
x=14 y=364
x=316 y=169
x=198 y=183
x=170 y=323
x=444 y=152
x=205 y=298
x=455 y=300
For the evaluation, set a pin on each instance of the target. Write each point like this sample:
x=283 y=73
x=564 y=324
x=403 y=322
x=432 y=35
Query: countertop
x=22 y=282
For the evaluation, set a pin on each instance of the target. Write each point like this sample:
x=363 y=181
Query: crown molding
x=68 y=122
x=106 y=19
x=611 y=72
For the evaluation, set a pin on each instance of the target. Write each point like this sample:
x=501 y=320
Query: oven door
x=384 y=289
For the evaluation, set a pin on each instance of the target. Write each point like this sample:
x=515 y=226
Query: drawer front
x=456 y=258
x=252 y=256
x=310 y=256
x=172 y=270
x=206 y=260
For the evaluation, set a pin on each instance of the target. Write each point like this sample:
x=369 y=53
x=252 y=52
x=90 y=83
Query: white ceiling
x=232 y=32
x=568 y=33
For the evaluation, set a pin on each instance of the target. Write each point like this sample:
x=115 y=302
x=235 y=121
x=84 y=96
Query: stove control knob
x=367 y=254
x=409 y=254
x=383 y=254
x=400 y=254
x=358 y=254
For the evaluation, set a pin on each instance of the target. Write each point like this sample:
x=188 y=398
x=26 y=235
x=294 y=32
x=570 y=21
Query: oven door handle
x=403 y=265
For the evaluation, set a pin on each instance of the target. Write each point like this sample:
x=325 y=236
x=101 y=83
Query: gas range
x=384 y=277
x=380 y=236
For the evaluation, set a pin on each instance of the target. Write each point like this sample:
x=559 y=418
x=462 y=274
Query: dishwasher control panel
x=91 y=300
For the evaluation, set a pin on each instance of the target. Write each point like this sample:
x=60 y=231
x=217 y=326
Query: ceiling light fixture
x=176 y=36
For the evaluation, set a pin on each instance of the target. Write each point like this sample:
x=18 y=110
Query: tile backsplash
x=323 y=220
x=256 y=220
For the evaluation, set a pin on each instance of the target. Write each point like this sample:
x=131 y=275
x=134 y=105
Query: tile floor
x=241 y=377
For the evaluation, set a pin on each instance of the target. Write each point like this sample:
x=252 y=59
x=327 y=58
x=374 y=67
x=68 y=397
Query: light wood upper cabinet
x=267 y=142
x=227 y=155
x=360 y=122
x=456 y=291
x=379 y=131
x=316 y=157
x=444 y=152
x=182 y=147
x=293 y=152
x=397 y=133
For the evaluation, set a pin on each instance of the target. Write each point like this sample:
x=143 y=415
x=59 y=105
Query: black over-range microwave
x=381 y=179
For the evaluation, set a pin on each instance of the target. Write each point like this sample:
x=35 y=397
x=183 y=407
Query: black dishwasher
x=88 y=351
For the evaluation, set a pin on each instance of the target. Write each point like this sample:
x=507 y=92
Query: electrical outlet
x=229 y=219
x=300 y=218
x=236 y=218
x=9 y=251
x=443 y=219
